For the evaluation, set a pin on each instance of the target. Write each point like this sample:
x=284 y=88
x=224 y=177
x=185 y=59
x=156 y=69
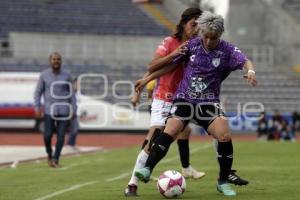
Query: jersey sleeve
x=164 y=47
x=237 y=58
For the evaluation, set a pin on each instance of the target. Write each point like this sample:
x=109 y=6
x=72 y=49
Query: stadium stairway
x=292 y=7
x=157 y=12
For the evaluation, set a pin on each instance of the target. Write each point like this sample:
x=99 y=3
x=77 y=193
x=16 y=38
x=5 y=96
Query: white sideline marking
x=100 y=159
x=163 y=161
x=192 y=151
x=201 y=148
x=73 y=165
x=118 y=177
x=74 y=187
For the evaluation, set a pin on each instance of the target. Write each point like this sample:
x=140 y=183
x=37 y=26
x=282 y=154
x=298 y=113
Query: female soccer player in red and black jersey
x=164 y=90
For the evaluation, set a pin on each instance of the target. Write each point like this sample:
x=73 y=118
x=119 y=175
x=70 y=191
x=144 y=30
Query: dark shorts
x=202 y=114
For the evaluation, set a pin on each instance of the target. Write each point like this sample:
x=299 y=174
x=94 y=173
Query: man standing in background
x=55 y=85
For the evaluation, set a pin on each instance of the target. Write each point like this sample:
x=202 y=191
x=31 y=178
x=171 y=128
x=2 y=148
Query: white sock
x=189 y=168
x=139 y=163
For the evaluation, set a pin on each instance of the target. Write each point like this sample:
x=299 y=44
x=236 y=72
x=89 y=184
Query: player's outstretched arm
x=141 y=83
x=135 y=99
x=250 y=73
x=159 y=61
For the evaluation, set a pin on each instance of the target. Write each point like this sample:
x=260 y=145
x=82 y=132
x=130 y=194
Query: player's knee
x=173 y=132
x=174 y=127
x=186 y=133
x=224 y=137
x=183 y=136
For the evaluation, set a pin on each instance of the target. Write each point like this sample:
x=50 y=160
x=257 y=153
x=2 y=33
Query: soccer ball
x=171 y=184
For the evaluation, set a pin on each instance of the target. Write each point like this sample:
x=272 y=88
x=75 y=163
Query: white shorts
x=159 y=112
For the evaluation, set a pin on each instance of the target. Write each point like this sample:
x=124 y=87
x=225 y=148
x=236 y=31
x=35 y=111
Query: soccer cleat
x=192 y=173
x=235 y=179
x=226 y=189
x=130 y=191
x=143 y=174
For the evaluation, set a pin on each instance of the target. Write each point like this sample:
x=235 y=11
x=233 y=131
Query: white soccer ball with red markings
x=171 y=184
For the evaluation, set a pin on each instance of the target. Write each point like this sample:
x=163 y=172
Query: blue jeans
x=74 y=126
x=52 y=125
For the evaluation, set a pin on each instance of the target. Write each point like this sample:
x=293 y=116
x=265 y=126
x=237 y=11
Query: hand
x=135 y=99
x=140 y=84
x=39 y=114
x=180 y=50
x=251 y=78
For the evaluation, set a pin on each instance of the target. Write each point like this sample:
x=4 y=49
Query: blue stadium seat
x=75 y=16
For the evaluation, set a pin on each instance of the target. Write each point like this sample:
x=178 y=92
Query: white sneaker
x=192 y=173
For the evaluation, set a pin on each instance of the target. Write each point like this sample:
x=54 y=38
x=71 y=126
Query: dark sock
x=225 y=158
x=184 y=152
x=144 y=144
x=158 y=150
x=157 y=132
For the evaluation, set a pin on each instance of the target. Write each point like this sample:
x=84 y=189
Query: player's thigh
x=220 y=130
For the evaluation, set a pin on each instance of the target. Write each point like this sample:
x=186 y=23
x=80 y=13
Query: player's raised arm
x=135 y=99
x=141 y=83
x=162 y=57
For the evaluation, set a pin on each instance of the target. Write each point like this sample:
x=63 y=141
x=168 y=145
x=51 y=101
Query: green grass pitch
x=273 y=169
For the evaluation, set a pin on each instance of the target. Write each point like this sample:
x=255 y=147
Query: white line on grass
x=118 y=177
x=73 y=165
x=206 y=146
x=121 y=176
x=74 y=187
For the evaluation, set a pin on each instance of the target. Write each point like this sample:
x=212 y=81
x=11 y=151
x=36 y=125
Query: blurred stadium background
x=117 y=38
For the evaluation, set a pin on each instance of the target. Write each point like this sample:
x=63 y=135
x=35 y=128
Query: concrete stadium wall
x=84 y=47
x=259 y=22
x=175 y=7
x=246 y=22
x=283 y=31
